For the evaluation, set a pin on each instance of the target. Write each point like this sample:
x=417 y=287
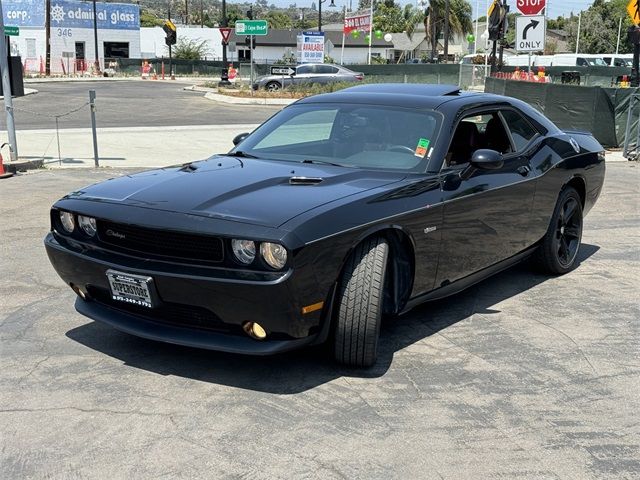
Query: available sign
x=531 y=7
x=251 y=27
x=360 y=22
x=530 y=33
x=311 y=47
x=11 y=31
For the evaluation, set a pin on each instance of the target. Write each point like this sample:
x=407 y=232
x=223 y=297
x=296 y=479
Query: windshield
x=350 y=135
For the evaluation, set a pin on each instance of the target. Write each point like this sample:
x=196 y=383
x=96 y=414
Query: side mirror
x=240 y=137
x=482 y=159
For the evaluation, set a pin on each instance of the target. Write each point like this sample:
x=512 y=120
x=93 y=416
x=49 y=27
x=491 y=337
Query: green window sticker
x=422 y=148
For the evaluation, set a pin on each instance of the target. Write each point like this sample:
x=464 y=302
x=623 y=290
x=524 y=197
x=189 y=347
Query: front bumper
x=196 y=306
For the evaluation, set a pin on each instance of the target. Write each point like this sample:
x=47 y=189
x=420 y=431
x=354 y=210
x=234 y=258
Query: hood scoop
x=305 y=180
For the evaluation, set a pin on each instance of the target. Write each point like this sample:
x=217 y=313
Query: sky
x=556 y=7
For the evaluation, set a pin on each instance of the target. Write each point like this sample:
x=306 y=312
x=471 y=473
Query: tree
x=433 y=18
x=279 y=20
x=188 y=49
x=599 y=28
x=388 y=16
x=148 y=19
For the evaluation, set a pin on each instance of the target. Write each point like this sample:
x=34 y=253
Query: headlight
x=244 y=250
x=274 y=254
x=68 y=222
x=87 y=224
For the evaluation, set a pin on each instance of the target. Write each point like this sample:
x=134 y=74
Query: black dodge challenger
x=340 y=209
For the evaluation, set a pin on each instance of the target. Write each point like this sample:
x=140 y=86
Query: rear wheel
x=273 y=86
x=359 y=304
x=559 y=248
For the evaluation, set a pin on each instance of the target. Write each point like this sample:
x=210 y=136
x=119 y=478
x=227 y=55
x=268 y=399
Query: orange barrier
x=4 y=173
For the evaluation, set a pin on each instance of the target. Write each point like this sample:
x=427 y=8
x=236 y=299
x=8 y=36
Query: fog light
x=255 y=330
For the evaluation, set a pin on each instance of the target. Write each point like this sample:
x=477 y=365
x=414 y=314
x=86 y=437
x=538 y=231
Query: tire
x=273 y=86
x=559 y=248
x=360 y=303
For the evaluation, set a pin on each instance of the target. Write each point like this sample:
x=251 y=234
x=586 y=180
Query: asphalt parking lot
x=522 y=376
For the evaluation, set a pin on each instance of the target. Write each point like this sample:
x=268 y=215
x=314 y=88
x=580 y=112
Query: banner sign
x=360 y=22
x=112 y=16
x=311 y=47
x=23 y=13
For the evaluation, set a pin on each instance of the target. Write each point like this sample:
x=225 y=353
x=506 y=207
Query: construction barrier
x=601 y=111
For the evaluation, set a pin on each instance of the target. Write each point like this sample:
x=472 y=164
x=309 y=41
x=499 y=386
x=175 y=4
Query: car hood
x=258 y=192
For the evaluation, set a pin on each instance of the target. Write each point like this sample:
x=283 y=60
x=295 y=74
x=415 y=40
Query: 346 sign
x=531 y=7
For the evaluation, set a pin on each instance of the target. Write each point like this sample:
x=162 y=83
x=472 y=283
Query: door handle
x=524 y=170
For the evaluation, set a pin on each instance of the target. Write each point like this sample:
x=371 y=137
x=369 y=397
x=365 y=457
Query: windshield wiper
x=323 y=162
x=241 y=154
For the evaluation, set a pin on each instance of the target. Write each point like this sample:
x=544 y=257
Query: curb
x=196 y=88
x=23 y=166
x=216 y=97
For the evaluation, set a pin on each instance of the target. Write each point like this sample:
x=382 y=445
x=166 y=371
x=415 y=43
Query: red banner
x=359 y=22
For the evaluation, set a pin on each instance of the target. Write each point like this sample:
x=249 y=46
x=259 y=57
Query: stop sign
x=531 y=7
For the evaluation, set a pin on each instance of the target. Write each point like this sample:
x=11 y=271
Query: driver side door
x=487 y=214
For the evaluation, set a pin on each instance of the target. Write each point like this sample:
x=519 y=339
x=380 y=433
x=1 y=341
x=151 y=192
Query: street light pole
x=95 y=38
x=320 y=2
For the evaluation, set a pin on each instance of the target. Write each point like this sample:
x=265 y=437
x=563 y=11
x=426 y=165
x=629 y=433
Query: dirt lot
x=522 y=376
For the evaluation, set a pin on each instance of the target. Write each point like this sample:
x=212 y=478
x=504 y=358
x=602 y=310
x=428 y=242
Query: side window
x=326 y=69
x=304 y=69
x=474 y=132
x=521 y=131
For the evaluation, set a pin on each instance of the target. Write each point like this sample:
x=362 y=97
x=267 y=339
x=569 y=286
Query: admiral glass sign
x=67 y=14
x=23 y=13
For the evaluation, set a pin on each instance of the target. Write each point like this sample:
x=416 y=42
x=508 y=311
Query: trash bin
x=15 y=77
x=570 y=77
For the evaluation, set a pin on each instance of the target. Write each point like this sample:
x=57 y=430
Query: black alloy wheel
x=559 y=248
x=569 y=231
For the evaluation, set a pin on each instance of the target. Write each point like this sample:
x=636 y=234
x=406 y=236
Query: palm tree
x=433 y=18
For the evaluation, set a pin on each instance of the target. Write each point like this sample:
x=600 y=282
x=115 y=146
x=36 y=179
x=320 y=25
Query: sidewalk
x=142 y=147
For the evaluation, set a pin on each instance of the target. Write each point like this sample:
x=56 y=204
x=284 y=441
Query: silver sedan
x=309 y=73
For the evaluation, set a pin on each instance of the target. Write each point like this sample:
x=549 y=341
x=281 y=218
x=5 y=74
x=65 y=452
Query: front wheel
x=559 y=248
x=359 y=304
x=272 y=86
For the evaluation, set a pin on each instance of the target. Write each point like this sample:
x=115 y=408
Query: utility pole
x=47 y=41
x=446 y=31
x=186 y=12
x=6 y=88
x=96 y=63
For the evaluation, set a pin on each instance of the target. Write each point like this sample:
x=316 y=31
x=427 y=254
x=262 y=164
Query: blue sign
x=23 y=13
x=113 y=16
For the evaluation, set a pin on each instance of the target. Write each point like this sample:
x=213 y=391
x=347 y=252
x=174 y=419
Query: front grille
x=175 y=314
x=162 y=243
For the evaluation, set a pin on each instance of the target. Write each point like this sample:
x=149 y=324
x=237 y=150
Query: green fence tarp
x=601 y=111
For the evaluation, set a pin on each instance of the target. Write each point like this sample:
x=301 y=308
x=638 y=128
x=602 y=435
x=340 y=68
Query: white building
x=72 y=44
x=152 y=44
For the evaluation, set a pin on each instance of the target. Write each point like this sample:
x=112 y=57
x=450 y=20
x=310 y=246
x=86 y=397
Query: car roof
x=411 y=95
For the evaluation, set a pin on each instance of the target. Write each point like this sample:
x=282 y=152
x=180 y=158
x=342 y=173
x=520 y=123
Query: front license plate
x=129 y=288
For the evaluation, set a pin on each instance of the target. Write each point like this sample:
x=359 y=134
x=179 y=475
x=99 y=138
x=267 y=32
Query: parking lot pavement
x=522 y=376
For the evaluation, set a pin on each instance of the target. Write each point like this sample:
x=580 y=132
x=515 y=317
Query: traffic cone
x=4 y=173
